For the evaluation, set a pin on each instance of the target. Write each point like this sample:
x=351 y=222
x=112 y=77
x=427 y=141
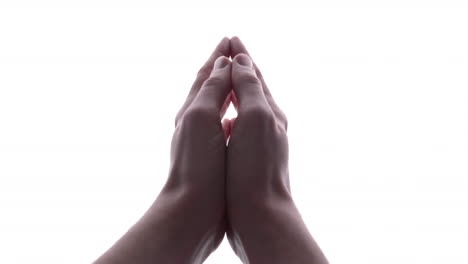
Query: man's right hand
x=265 y=226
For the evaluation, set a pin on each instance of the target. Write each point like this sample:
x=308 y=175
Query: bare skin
x=265 y=225
x=187 y=220
x=241 y=189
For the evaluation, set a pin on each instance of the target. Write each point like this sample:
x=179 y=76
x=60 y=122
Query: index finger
x=238 y=47
x=222 y=49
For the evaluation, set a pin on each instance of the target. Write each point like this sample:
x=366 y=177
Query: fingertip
x=245 y=83
x=243 y=60
x=237 y=46
x=221 y=62
x=236 y=39
x=224 y=46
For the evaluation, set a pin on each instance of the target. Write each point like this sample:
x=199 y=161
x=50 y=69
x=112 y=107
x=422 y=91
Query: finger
x=214 y=91
x=246 y=85
x=223 y=49
x=231 y=124
x=234 y=101
x=226 y=128
x=225 y=106
x=238 y=47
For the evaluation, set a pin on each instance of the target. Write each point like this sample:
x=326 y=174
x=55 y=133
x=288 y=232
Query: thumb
x=216 y=88
x=246 y=85
x=226 y=123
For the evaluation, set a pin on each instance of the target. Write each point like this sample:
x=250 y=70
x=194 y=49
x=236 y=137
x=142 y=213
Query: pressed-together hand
x=265 y=226
x=187 y=220
x=241 y=189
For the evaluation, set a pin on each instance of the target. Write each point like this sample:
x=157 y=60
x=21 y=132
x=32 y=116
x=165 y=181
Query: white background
x=376 y=93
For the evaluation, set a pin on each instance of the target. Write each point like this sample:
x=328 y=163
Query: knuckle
x=204 y=72
x=248 y=78
x=259 y=115
x=213 y=81
x=176 y=119
x=285 y=121
x=202 y=75
x=196 y=115
x=179 y=116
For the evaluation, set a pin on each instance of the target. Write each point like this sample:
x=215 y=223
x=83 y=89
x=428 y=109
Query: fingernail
x=244 y=60
x=221 y=62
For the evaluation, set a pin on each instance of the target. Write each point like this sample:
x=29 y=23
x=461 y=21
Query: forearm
x=275 y=233
x=169 y=232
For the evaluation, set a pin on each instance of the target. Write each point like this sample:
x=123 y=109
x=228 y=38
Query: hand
x=187 y=220
x=198 y=151
x=265 y=226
